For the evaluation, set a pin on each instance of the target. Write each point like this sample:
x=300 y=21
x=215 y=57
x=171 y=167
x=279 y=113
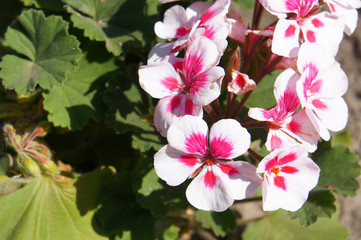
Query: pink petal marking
x=311 y=76
x=182 y=31
x=319 y=104
x=221 y=148
x=310 y=35
x=316 y=86
x=188 y=160
x=207 y=15
x=193 y=65
x=271 y=163
x=209 y=32
x=288 y=158
x=174 y=103
x=288 y=169
x=196 y=143
x=290 y=31
x=189 y=106
x=229 y=170
x=317 y=23
x=209 y=179
x=294 y=127
x=280 y=182
x=276 y=142
x=170 y=83
x=290 y=101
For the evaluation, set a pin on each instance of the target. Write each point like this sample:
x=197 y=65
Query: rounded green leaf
x=45 y=209
x=46 y=52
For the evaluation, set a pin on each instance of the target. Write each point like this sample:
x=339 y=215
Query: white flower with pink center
x=323 y=28
x=284 y=123
x=320 y=89
x=346 y=10
x=193 y=151
x=183 y=89
x=200 y=18
x=288 y=176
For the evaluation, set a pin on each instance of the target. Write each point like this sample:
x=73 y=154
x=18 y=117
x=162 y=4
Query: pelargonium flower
x=204 y=18
x=320 y=89
x=184 y=89
x=346 y=10
x=323 y=28
x=193 y=151
x=288 y=175
x=240 y=83
x=284 y=123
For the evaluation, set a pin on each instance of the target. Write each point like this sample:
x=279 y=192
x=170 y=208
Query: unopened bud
x=50 y=167
x=29 y=165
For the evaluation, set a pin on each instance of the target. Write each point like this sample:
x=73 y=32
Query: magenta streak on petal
x=193 y=65
x=271 y=163
x=188 y=160
x=276 y=142
x=291 y=101
x=290 y=31
x=311 y=76
x=196 y=143
x=310 y=35
x=319 y=104
x=288 y=169
x=207 y=15
x=317 y=23
x=170 y=83
x=240 y=81
x=181 y=31
x=189 y=106
x=288 y=158
x=280 y=182
x=174 y=103
x=209 y=179
x=198 y=82
x=316 y=86
x=294 y=127
x=227 y=169
x=209 y=32
x=221 y=147
x=301 y=7
x=332 y=7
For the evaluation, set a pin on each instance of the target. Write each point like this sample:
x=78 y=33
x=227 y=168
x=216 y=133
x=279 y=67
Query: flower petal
x=174 y=166
x=209 y=192
x=228 y=139
x=190 y=135
x=170 y=109
x=159 y=79
x=286 y=38
x=175 y=19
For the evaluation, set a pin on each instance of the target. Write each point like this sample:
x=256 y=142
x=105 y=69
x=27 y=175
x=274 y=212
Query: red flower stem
x=260 y=124
x=255 y=155
x=211 y=112
x=215 y=105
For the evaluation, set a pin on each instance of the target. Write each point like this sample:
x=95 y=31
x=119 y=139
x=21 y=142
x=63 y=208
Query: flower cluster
x=303 y=42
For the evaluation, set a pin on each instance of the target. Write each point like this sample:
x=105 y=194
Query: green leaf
x=171 y=233
x=219 y=222
x=246 y=4
x=319 y=204
x=78 y=99
x=119 y=212
x=89 y=187
x=262 y=96
x=340 y=169
x=55 y=5
x=343 y=139
x=119 y=23
x=46 y=52
x=129 y=110
x=277 y=226
x=153 y=193
x=12 y=184
x=44 y=209
x=4 y=164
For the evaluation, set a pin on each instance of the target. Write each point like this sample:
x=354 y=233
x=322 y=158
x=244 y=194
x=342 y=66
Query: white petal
x=259 y=114
x=285 y=82
x=207 y=86
x=312 y=54
x=196 y=9
x=159 y=79
x=190 y=135
x=208 y=192
x=174 y=166
x=278 y=139
x=161 y=52
x=170 y=109
x=319 y=126
x=174 y=18
x=334 y=114
x=240 y=177
x=228 y=139
x=286 y=38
